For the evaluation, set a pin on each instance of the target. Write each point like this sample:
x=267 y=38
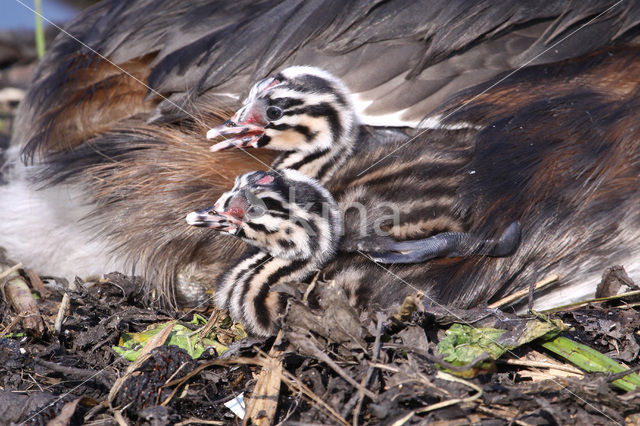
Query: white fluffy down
x=43 y=230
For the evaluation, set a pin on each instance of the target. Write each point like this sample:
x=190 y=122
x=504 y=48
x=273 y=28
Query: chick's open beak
x=210 y=218
x=243 y=130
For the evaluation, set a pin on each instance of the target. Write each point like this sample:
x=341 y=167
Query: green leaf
x=463 y=343
x=131 y=344
x=592 y=361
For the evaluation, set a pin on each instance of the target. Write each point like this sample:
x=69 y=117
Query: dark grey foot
x=449 y=244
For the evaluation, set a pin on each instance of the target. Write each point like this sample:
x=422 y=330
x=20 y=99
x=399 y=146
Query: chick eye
x=256 y=211
x=273 y=113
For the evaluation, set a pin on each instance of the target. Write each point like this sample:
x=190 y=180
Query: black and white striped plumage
x=305 y=112
x=294 y=226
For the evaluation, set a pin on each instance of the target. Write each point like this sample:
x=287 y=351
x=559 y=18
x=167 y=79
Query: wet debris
x=60 y=411
x=147 y=386
x=615 y=280
x=330 y=364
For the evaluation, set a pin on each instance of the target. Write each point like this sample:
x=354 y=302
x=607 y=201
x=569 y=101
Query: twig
x=64 y=306
x=214 y=320
x=386 y=367
x=312 y=349
x=100 y=376
x=37 y=284
x=404 y=419
x=10 y=326
x=287 y=378
x=168 y=399
x=447 y=403
x=510 y=417
x=152 y=343
x=117 y=414
x=370 y=370
x=586 y=302
x=263 y=402
x=17 y=292
x=539 y=364
x=193 y=420
x=291 y=381
x=443 y=404
x=622 y=374
x=310 y=288
x=4 y=274
x=520 y=294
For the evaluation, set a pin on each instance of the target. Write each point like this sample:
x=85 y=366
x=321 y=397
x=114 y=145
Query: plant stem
x=39 y=29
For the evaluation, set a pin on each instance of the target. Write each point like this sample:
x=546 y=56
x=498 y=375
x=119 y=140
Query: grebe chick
x=294 y=227
x=306 y=113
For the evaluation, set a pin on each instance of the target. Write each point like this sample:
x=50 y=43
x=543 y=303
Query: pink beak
x=209 y=218
x=243 y=130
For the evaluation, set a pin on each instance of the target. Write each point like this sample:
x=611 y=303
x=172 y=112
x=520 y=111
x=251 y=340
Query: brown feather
x=94 y=95
x=143 y=198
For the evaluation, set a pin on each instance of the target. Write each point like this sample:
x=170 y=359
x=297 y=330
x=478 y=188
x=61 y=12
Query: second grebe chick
x=294 y=227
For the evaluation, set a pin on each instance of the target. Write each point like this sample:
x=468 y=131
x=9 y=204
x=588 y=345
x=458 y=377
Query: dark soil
x=393 y=357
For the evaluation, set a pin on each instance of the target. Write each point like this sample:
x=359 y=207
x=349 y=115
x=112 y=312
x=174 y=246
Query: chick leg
x=447 y=244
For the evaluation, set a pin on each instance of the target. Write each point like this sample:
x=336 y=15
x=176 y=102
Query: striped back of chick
x=403 y=188
x=387 y=181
